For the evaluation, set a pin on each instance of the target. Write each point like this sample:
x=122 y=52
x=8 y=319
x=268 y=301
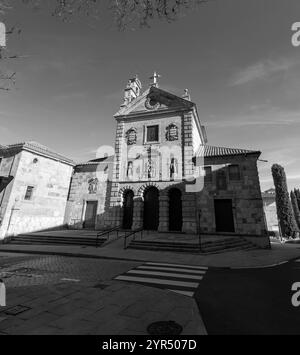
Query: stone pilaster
x=138 y=209
x=188 y=167
x=163 y=213
x=189 y=213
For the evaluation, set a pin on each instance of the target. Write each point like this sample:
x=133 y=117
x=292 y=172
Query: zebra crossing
x=179 y=278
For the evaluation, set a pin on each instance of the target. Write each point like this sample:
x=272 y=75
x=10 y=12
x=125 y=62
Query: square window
x=234 y=172
x=221 y=180
x=152 y=133
x=208 y=174
x=29 y=193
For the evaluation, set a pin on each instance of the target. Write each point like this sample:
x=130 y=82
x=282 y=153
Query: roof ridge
x=207 y=150
x=42 y=149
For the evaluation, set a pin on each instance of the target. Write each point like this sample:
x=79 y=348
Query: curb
x=261 y=267
x=92 y=256
x=74 y=255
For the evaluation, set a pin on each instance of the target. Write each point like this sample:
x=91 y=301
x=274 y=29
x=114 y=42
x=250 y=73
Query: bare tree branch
x=133 y=13
x=126 y=13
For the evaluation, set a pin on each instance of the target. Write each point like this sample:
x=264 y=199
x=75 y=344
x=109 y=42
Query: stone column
x=163 y=212
x=189 y=213
x=138 y=209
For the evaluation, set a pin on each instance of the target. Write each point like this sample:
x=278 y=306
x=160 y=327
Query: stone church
x=162 y=175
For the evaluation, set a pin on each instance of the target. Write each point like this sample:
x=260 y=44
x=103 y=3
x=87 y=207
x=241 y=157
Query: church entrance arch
x=175 y=210
x=151 y=208
x=128 y=209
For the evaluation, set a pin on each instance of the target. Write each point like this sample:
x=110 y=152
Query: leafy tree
x=285 y=212
x=295 y=208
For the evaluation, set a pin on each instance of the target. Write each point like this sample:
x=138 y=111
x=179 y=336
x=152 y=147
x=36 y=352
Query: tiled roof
x=38 y=148
x=213 y=151
x=271 y=193
x=97 y=161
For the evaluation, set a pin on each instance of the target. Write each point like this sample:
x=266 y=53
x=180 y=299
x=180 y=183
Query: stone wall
x=50 y=180
x=245 y=195
x=80 y=194
x=271 y=213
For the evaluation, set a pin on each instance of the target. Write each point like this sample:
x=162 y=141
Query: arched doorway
x=151 y=209
x=128 y=209
x=175 y=210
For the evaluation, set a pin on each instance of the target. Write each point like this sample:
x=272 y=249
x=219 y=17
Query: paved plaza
x=65 y=295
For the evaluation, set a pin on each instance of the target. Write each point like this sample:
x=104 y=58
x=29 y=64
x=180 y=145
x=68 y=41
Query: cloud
x=7 y=136
x=260 y=70
x=264 y=116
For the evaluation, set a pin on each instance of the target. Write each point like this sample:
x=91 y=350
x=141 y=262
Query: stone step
x=169 y=244
x=223 y=243
x=163 y=248
x=30 y=239
x=211 y=247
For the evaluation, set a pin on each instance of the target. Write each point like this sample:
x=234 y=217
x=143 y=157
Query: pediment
x=154 y=100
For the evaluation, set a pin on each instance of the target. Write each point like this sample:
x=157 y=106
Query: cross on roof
x=155 y=78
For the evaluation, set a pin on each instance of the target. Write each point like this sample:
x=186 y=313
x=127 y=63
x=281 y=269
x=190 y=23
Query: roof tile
x=213 y=151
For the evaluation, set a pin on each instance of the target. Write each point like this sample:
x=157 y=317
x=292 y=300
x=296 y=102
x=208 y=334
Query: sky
x=235 y=57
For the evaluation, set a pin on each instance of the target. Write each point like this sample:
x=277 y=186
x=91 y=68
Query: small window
x=152 y=133
x=234 y=172
x=29 y=193
x=207 y=174
x=221 y=180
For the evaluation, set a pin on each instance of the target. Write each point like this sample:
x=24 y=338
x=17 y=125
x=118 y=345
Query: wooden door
x=224 y=216
x=151 y=209
x=128 y=209
x=90 y=214
x=175 y=210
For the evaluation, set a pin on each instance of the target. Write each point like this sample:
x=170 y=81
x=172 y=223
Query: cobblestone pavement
x=64 y=295
x=41 y=270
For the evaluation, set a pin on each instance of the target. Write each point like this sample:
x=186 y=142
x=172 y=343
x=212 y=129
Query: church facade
x=163 y=175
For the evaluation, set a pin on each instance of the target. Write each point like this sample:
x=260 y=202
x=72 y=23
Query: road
x=250 y=301
x=49 y=294
x=64 y=291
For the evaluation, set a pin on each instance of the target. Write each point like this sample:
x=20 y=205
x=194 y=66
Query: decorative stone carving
x=152 y=104
x=131 y=136
x=173 y=169
x=93 y=185
x=172 y=132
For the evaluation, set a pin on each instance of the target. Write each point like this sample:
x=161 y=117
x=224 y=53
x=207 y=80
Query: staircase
x=226 y=245
x=35 y=238
x=207 y=247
